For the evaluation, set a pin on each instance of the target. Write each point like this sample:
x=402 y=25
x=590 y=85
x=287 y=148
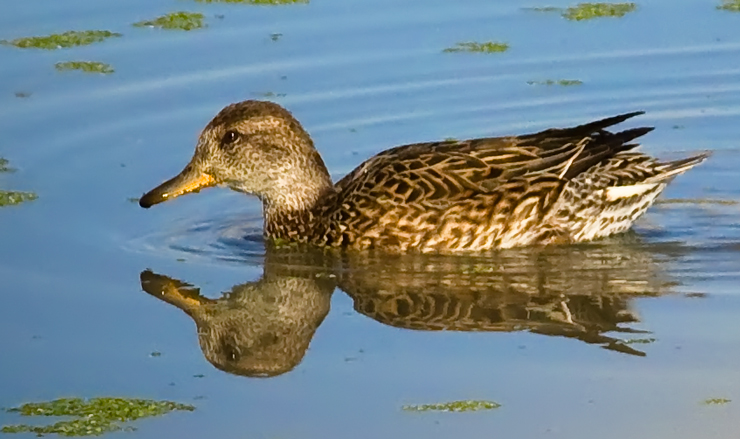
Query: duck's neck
x=290 y=212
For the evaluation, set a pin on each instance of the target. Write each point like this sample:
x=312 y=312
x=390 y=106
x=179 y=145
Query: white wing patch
x=617 y=192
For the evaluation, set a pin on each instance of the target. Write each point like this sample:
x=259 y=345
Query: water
x=539 y=331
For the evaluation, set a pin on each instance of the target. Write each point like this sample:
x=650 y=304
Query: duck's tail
x=669 y=170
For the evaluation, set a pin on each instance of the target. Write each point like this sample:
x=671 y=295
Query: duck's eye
x=230 y=137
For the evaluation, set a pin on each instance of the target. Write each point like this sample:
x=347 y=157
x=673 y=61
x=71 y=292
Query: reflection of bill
x=263 y=328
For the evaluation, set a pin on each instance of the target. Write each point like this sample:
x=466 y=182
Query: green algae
x=730 y=5
x=11 y=198
x=474 y=47
x=63 y=40
x=269 y=94
x=588 y=11
x=85 y=66
x=454 y=406
x=544 y=9
x=716 y=401
x=180 y=20
x=561 y=82
x=4 y=166
x=95 y=416
x=256 y=2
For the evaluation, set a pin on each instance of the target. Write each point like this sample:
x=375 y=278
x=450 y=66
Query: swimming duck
x=555 y=186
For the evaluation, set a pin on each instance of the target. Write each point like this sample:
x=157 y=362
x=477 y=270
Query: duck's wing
x=453 y=170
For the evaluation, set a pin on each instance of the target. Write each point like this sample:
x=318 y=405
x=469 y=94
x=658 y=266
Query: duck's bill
x=185 y=182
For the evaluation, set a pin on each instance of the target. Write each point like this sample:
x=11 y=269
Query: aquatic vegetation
x=176 y=20
x=256 y=2
x=562 y=82
x=22 y=94
x=11 y=198
x=4 y=166
x=544 y=9
x=275 y=36
x=587 y=11
x=454 y=406
x=95 y=416
x=716 y=401
x=85 y=66
x=487 y=47
x=63 y=40
x=730 y=5
x=270 y=94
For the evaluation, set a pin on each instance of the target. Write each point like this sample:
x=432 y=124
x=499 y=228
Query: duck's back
x=558 y=185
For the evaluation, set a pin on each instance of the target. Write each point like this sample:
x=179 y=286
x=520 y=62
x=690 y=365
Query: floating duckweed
x=66 y=39
x=270 y=94
x=96 y=416
x=256 y=2
x=639 y=341
x=716 y=401
x=454 y=406
x=544 y=9
x=487 y=47
x=4 y=166
x=563 y=82
x=730 y=5
x=176 y=20
x=587 y=11
x=85 y=66
x=11 y=198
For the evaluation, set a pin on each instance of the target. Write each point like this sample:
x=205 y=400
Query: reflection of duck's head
x=254 y=147
x=258 y=329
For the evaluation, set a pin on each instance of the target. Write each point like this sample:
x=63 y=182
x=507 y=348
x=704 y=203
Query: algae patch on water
x=176 y=20
x=454 y=406
x=474 y=47
x=85 y=66
x=256 y=2
x=11 y=198
x=716 y=401
x=561 y=82
x=63 y=40
x=588 y=11
x=95 y=416
x=4 y=166
x=730 y=5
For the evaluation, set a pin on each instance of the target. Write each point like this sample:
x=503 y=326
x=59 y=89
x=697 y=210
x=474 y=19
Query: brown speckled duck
x=556 y=186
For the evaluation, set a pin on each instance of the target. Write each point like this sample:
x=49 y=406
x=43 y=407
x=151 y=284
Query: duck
x=557 y=186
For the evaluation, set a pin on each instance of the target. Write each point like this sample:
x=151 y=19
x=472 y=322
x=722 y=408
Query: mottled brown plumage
x=556 y=186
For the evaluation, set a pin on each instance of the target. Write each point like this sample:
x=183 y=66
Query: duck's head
x=254 y=147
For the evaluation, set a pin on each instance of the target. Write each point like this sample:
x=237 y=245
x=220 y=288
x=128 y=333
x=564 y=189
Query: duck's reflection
x=263 y=328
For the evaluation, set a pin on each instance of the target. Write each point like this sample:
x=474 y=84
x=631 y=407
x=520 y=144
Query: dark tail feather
x=623 y=137
x=585 y=129
x=605 y=123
